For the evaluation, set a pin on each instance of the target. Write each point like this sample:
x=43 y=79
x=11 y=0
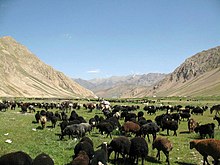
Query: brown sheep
x=130 y=126
x=81 y=159
x=207 y=147
x=162 y=144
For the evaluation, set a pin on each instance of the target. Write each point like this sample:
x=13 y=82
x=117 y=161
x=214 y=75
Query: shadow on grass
x=183 y=163
x=184 y=132
x=152 y=160
x=39 y=128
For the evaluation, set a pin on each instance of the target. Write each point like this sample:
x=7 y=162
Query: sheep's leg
x=167 y=156
x=205 y=160
x=142 y=160
x=158 y=155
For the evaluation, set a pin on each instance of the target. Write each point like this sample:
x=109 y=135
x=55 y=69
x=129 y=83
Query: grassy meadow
x=28 y=137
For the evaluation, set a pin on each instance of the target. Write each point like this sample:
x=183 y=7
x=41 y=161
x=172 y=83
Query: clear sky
x=101 y=38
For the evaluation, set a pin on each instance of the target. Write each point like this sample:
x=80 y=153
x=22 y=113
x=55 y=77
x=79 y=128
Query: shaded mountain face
x=22 y=74
x=199 y=75
x=121 y=86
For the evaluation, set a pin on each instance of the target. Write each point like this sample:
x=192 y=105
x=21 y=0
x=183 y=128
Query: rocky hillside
x=199 y=75
x=121 y=86
x=22 y=74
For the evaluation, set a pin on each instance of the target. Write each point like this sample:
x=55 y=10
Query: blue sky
x=102 y=38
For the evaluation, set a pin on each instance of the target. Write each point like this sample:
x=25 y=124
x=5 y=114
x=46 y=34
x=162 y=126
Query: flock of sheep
x=134 y=125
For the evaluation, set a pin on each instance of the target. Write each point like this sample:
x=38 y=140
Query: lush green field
x=26 y=136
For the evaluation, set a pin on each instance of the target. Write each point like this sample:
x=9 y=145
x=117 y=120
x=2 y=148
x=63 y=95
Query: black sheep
x=100 y=155
x=105 y=127
x=43 y=159
x=120 y=145
x=149 y=128
x=37 y=117
x=85 y=138
x=205 y=129
x=84 y=146
x=16 y=158
x=139 y=148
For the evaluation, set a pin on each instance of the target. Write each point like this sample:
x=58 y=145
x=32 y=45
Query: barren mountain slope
x=22 y=74
x=199 y=75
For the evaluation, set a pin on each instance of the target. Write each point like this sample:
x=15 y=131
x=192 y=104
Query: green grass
x=20 y=129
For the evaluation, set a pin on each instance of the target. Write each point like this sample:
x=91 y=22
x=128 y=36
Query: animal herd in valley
x=128 y=124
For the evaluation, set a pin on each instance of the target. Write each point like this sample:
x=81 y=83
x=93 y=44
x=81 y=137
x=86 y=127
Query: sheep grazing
x=74 y=129
x=130 y=126
x=164 y=145
x=43 y=159
x=149 y=128
x=81 y=159
x=84 y=146
x=105 y=127
x=101 y=155
x=120 y=145
x=170 y=125
x=85 y=138
x=15 y=158
x=192 y=124
x=205 y=129
x=139 y=148
x=207 y=147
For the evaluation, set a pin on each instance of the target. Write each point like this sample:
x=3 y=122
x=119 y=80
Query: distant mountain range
x=199 y=75
x=121 y=86
x=22 y=74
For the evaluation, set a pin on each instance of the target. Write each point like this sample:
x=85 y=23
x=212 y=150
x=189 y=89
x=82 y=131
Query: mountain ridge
x=121 y=86
x=25 y=75
x=200 y=71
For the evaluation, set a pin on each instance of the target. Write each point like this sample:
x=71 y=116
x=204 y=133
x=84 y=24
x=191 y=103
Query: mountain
x=121 y=86
x=22 y=74
x=199 y=75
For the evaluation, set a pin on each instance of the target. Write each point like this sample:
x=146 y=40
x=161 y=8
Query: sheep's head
x=193 y=144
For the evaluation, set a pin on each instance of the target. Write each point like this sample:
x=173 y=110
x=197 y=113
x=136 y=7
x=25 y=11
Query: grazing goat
x=162 y=144
x=207 y=147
